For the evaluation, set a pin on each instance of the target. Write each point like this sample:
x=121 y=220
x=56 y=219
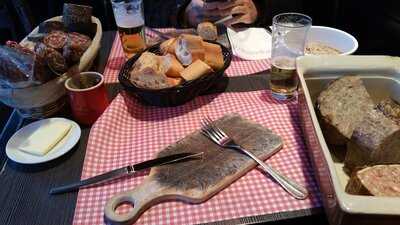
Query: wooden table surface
x=24 y=189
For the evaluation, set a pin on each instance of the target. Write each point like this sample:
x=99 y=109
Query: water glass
x=289 y=35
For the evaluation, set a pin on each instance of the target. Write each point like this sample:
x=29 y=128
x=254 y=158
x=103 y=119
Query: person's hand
x=195 y=13
x=243 y=11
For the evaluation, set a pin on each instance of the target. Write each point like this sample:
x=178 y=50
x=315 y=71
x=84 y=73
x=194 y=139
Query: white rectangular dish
x=381 y=76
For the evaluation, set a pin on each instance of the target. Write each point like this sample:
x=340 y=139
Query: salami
x=56 y=61
x=55 y=40
x=18 y=47
x=53 y=58
x=76 y=45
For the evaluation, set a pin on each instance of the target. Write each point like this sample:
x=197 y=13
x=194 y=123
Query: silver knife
x=223 y=20
x=126 y=171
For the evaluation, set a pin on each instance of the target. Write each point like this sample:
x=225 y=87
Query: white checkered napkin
x=238 y=67
x=129 y=132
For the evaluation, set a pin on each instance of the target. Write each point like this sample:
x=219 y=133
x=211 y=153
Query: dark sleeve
x=263 y=13
x=181 y=19
x=267 y=9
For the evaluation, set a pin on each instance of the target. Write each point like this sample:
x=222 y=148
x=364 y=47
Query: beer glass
x=130 y=23
x=289 y=33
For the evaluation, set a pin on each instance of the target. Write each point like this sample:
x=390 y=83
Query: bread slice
x=149 y=72
x=174 y=81
x=149 y=60
x=149 y=79
x=213 y=55
x=168 y=46
x=379 y=180
x=196 y=70
x=208 y=31
x=189 y=48
x=174 y=67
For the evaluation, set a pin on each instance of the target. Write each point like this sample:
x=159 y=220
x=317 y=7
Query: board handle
x=140 y=198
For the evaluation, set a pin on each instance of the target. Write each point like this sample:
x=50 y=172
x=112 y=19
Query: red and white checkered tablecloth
x=238 y=67
x=129 y=132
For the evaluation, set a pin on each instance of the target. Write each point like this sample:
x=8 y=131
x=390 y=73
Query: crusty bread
x=173 y=65
x=149 y=79
x=196 y=70
x=208 y=31
x=213 y=55
x=168 y=46
x=174 y=81
x=149 y=72
x=149 y=60
x=189 y=48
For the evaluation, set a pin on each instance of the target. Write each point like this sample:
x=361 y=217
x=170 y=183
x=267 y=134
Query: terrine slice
x=342 y=106
x=376 y=140
x=379 y=180
x=390 y=108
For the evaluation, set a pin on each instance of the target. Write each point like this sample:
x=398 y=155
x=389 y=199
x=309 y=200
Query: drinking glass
x=289 y=34
x=129 y=18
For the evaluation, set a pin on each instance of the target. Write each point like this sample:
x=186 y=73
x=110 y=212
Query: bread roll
x=213 y=55
x=149 y=72
x=168 y=46
x=149 y=60
x=174 y=67
x=149 y=79
x=189 y=48
x=196 y=70
x=208 y=31
x=174 y=81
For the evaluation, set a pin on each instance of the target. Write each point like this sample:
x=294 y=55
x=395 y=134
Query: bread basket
x=175 y=95
x=47 y=99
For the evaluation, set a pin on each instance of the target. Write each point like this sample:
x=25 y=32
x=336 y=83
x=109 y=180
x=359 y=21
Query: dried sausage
x=76 y=45
x=56 y=40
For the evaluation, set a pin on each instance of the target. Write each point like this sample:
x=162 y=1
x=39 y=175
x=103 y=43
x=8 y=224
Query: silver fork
x=219 y=137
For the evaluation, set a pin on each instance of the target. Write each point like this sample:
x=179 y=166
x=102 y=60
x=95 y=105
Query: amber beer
x=132 y=39
x=283 y=80
x=130 y=23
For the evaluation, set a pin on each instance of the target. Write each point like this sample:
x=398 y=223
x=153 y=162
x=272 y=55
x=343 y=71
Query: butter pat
x=42 y=140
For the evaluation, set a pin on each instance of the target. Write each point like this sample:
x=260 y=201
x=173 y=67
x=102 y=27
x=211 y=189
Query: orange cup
x=88 y=96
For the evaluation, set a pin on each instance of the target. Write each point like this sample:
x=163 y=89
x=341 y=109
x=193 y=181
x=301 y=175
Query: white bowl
x=332 y=37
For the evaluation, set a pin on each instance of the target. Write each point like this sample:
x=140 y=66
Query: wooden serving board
x=196 y=181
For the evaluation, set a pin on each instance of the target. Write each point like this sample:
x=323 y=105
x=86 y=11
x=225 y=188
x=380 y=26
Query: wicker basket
x=175 y=95
x=47 y=99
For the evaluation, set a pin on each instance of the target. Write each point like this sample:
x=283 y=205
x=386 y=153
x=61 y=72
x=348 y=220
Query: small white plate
x=62 y=147
x=250 y=43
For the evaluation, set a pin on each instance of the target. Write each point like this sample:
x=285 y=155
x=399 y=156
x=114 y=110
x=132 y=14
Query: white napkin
x=250 y=43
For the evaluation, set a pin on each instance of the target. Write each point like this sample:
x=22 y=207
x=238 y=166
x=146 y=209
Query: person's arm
x=182 y=20
x=197 y=11
x=266 y=10
x=263 y=13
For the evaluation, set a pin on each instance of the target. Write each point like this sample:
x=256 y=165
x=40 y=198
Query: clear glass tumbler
x=289 y=35
x=129 y=18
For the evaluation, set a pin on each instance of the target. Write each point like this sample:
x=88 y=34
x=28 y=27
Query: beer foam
x=284 y=62
x=129 y=21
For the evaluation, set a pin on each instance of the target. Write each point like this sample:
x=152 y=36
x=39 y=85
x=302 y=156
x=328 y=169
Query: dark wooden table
x=24 y=189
